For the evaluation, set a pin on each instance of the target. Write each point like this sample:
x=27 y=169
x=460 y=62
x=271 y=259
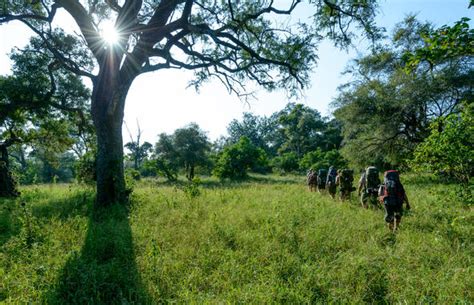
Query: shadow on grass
x=104 y=272
x=8 y=227
x=11 y=210
x=75 y=204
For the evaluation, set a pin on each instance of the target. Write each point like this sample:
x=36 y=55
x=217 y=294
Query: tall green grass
x=268 y=240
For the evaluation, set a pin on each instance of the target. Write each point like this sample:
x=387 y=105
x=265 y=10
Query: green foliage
x=164 y=159
x=386 y=112
x=86 y=168
x=296 y=128
x=318 y=159
x=235 y=160
x=138 y=152
x=186 y=148
x=133 y=174
x=286 y=163
x=192 y=147
x=301 y=127
x=449 y=147
x=44 y=115
x=192 y=189
x=442 y=44
x=259 y=130
x=149 y=169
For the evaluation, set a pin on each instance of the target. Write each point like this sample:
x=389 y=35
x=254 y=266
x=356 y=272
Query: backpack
x=331 y=178
x=372 y=179
x=391 y=191
x=322 y=176
x=346 y=177
x=311 y=177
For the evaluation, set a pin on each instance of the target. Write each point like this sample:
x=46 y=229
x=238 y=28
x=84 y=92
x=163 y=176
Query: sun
x=109 y=33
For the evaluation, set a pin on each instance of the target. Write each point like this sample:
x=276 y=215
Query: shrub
x=318 y=159
x=237 y=159
x=448 y=149
x=86 y=168
x=286 y=163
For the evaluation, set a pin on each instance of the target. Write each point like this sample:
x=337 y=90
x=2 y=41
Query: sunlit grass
x=263 y=241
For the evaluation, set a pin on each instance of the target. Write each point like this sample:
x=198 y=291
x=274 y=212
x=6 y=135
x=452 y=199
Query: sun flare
x=109 y=33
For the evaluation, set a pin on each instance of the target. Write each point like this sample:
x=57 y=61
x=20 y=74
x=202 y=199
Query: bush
x=133 y=174
x=318 y=159
x=286 y=163
x=448 y=149
x=237 y=159
x=86 y=168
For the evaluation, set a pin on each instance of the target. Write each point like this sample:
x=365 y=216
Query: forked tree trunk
x=108 y=101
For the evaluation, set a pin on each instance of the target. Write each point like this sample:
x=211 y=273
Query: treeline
x=290 y=140
x=409 y=106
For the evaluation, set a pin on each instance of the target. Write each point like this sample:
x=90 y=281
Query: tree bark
x=191 y=172
x=8 y=187
x=108 y=102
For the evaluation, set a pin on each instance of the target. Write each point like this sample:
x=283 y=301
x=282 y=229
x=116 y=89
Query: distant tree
x=331 y=135
x=302 y=129
x=320 y=159
x=232 y=41
x=164 y=158
x=257 y=129
x=237 y=159
x=286 y=162
x=186 y=148
x=192 y=148
x=138 y=152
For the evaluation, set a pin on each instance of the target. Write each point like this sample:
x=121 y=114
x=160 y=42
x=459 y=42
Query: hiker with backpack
x=331 y=182
x=369 y=184
x=344 y=179
x=392 y=195
x=321 y=179
x=311 y=180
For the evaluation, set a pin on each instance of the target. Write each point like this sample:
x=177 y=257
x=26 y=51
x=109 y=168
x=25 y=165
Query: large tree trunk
x=191 y=172
x=108 y=102
x=8 y=186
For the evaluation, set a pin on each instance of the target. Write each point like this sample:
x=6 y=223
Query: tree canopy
x=385 y=111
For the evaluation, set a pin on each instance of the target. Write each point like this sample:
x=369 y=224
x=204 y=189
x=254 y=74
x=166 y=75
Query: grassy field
x=268 y=240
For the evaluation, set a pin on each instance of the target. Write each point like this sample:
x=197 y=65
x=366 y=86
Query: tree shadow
x=75 y=204
x=105 y=271
x=8 y=227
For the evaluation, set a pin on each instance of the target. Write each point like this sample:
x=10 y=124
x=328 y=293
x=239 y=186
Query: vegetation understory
x=268 y=240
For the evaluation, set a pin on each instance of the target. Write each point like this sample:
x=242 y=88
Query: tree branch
x=86 y=25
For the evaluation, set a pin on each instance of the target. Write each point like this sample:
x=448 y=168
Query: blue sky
x=161 y=102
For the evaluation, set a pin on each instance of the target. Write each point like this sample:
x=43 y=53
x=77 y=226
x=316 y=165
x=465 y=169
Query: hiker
x=368 y=185
x=311 y=180
x=392 y=195
x=321 y=179
x=344 y=179
x=331 y=182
